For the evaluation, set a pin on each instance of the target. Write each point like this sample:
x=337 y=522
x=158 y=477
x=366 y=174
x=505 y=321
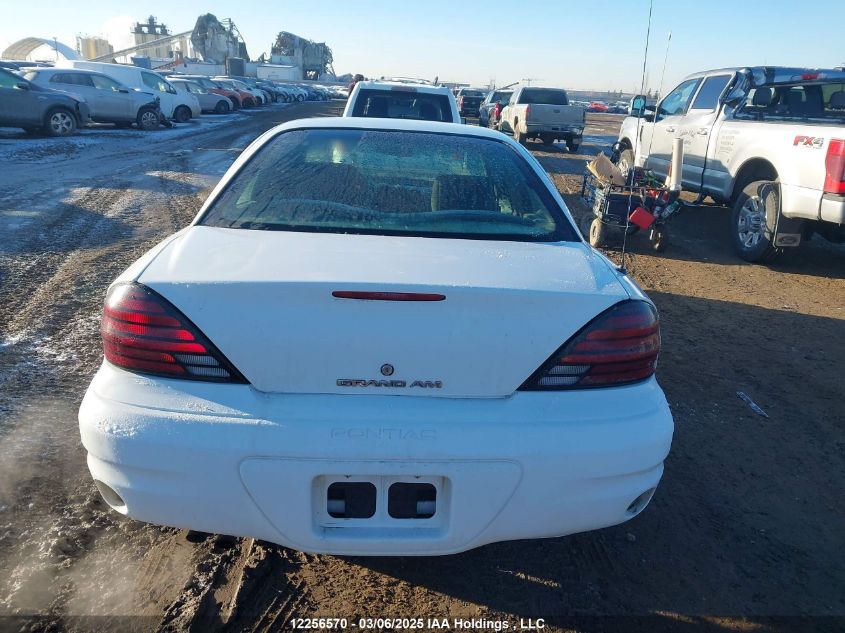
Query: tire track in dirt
x=62 y=551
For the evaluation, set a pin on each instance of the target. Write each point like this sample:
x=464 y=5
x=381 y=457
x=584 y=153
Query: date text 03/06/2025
x=410 y=624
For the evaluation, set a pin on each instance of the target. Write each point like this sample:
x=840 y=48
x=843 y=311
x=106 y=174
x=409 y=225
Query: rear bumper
x=563 y=131
x=832 y=208
x=231 y=460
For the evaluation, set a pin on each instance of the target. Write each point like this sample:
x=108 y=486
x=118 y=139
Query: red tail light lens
x=497 y=110
x=527 y=111
x=834 y=163
x=143 y=332
x=618 y=347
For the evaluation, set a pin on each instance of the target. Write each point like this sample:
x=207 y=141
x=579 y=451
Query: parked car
x=597 y=106
x=394 y=100
x=35 y=108
x=252 y=84
x=249 y=98
x=768 y=141
x=108 y=100
x=543 y=113
x=235 y=97
x=490 y=110
x=469 y=100
x=224 y=406
x=259 y=97
x=179 y=107
x=620 y=107
x=209 y=102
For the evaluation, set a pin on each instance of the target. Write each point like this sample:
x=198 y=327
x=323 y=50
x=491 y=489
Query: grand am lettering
x=816 y=142
x=390 y=384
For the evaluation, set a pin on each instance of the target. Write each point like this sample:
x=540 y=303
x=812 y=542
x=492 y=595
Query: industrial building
x=213 y=47
x=91 y=47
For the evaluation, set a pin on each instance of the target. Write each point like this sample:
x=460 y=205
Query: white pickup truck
x=543 y=113
x=768 y=141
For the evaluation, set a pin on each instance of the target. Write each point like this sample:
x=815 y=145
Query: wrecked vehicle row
x=59 y=99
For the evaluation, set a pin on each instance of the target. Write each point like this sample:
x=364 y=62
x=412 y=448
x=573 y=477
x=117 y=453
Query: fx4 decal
x=816 y=142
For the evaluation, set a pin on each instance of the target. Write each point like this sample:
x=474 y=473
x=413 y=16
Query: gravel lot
x=744 y=534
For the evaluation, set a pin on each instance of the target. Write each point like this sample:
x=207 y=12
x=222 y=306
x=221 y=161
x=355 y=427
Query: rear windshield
x=471 y=93
x=544 y=95
x=823 y=102
x=501 y=96
x=390 y=183
x=403 y=103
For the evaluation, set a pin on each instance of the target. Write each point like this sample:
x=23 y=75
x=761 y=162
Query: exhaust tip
x=110 y=496
x=639 y=504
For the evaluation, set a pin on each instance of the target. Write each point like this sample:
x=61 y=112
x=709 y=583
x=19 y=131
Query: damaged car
x=34 y=108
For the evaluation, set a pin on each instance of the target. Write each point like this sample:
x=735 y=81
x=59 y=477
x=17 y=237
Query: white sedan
x=378 y=337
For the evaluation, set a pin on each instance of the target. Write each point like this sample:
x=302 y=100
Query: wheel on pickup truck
x=520 y=137
x=754 y=220
x=572 y=146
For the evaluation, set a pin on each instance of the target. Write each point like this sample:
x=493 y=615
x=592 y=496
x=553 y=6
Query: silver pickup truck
x=543 y=113
x=770 y=142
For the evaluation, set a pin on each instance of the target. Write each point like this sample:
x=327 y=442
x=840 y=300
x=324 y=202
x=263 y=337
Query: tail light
x=527 y=111
x=834 y=162
x=143 y=332
x=497 y=110
x=461 y=101
x=618 y=347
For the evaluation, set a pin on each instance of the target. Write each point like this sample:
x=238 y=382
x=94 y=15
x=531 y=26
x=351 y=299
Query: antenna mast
x=637 y=139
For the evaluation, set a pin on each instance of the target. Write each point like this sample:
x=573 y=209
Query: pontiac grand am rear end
x=378 y=337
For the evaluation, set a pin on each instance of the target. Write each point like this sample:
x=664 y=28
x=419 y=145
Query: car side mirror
x=23 y=85
x=637 y=107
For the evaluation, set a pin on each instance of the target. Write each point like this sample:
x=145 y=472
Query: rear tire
x=60 y=122
x=754 y=219
x=182 y=114
x=520 y=137
x=147 y=119
x=222 y=107
x=626 y=162
x=597 y=233
x=572 y=146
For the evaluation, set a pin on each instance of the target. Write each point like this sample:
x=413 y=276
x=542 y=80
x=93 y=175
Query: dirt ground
x=745 y=532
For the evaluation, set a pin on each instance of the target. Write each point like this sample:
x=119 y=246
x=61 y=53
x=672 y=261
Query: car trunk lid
x=277 y=306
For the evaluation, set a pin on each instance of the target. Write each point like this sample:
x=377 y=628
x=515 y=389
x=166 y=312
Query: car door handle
x=670 y=129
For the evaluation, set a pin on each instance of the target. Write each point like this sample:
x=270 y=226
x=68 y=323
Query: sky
x=571 y=44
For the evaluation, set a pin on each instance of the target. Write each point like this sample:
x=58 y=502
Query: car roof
x=776 y=74
x=389 y=85
x=398 y=125
x=69 y=71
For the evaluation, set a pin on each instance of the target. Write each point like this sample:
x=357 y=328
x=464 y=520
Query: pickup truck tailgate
x=552 y=115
